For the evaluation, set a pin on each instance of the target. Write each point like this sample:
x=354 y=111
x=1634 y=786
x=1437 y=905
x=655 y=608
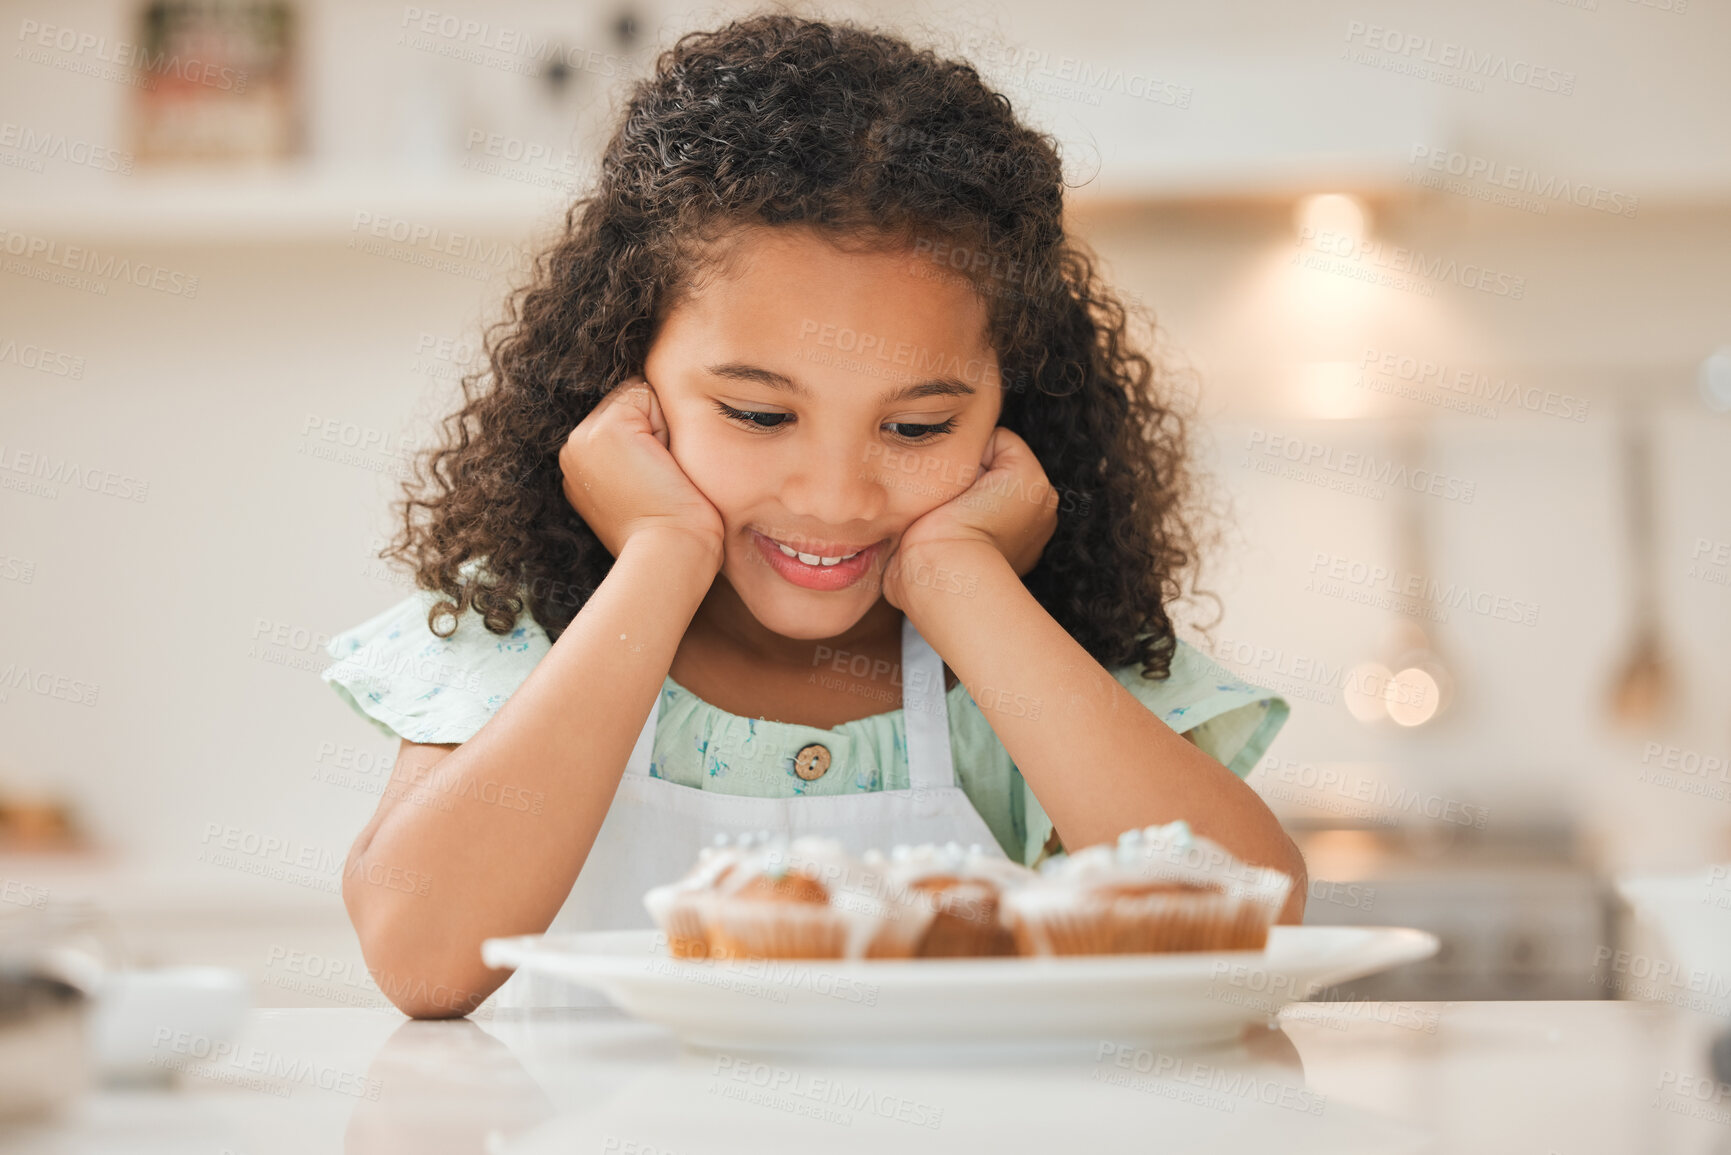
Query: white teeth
x=812 y=558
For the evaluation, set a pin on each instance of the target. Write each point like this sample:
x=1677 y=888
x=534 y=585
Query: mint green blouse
x=411 y=683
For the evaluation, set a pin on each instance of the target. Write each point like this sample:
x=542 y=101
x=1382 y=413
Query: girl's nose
x=833 y=484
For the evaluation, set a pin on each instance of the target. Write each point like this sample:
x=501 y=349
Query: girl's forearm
x=494 y=865
x=1099 y=761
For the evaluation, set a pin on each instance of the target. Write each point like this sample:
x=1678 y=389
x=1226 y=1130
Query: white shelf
x=272 y=207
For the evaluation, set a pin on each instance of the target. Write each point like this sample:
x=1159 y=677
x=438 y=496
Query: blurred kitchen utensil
x=1641 y=692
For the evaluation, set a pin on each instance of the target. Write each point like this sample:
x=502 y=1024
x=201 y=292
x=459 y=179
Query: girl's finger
x=657 y=419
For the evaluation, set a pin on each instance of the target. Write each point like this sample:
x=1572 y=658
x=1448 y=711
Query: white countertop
x=1528 y=1077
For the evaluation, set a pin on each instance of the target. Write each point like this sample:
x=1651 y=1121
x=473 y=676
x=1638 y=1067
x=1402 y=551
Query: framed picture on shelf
x=216 y=81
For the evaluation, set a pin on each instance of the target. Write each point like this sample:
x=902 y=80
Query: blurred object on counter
x=31 y=824
x=144 y=1018
x=1641 y=694
x=216 y=81
x=1689 y=913
x=44 y=1009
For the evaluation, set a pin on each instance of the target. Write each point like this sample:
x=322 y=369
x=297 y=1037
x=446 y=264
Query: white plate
x=990 y=1003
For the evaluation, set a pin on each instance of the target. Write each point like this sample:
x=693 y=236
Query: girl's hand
x=621 y=479
x=1010 y=506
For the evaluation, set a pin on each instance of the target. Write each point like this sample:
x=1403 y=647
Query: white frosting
x=1159 y=853
x=907 y=865
x=712 y=860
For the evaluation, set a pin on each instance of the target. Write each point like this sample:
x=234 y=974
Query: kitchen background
x=1448 y=283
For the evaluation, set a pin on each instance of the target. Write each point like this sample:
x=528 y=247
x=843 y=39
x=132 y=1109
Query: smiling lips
x=812 y=558
x=816 y=571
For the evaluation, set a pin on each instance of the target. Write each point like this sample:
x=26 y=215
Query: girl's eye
x=750 y=417
x=925 y=432
x=760 y=420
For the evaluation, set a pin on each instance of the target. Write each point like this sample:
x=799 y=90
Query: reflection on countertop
x=1577 y=1077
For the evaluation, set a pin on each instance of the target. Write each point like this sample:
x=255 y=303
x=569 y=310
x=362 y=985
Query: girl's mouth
x=812 y=571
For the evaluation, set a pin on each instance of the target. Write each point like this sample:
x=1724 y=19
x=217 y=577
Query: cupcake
x=1160 y=888
x=962 y=889
x=675 y=907
x=806 y=898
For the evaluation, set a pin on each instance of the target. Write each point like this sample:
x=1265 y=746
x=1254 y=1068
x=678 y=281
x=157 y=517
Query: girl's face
x=824 y=400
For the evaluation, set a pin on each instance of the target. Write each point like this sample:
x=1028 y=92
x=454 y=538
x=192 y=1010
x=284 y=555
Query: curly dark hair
x=780 y=120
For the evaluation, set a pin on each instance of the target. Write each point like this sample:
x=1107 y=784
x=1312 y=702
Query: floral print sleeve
x=409 y=682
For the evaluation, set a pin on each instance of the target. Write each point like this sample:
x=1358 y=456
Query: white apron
x=655 y=828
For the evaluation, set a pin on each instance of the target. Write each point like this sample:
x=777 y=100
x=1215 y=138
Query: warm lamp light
x=1340 y=214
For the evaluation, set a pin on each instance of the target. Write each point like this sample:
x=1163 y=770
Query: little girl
x=813 y=411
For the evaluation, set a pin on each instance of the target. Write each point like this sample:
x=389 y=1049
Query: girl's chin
x=806 y=614
x=802 y=618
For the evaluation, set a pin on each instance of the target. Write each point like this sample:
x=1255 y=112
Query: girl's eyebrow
x=937 y=387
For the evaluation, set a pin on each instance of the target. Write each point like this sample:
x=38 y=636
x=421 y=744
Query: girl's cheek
x=717 y=470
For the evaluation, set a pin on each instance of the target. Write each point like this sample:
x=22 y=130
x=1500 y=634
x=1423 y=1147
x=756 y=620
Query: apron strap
x=925 y=713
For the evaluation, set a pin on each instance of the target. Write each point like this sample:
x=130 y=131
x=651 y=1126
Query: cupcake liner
x=747 y=928
x=1081 y=906
x=686 y=935
x=1140 y=924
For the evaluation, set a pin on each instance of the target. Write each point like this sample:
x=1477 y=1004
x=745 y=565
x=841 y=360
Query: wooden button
x=812 y=762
